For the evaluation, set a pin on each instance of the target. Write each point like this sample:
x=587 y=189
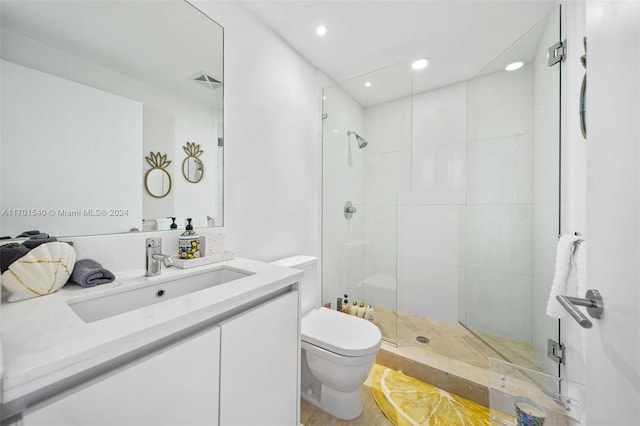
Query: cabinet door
x=175 y=386
x=259 y=365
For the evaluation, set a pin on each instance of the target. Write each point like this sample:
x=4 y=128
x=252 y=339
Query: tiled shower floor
x=449 y=340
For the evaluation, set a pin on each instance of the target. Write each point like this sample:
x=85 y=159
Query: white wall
x=613 y=211
x=271 y=116
x=61 y=142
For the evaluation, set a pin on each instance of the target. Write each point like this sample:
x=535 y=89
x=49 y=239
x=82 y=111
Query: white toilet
x=338 y=350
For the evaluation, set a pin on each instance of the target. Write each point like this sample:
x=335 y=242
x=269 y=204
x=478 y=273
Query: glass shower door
x=512 y=211
x=366 y=143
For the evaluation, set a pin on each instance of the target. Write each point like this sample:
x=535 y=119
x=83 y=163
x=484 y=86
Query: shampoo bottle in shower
x=361 y=310
x=353 y=310
x=368 y=315
x=345 y=304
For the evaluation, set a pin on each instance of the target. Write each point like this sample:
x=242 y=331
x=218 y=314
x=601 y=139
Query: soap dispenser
x=189 y=243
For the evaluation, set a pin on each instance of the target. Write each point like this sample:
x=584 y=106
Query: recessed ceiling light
x=322 y=30
x=514 y=66
x=367 y=84
x=420 y=64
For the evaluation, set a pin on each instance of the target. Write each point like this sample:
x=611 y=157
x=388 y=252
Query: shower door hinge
x=555 y=351
x=324 y=115
x=557 y=53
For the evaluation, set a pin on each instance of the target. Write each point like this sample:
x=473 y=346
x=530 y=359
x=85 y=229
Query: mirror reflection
x=89 y=88
x=192 y=166
x=157 y=181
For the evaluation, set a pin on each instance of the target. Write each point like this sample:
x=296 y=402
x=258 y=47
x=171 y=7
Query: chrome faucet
x=154 y=257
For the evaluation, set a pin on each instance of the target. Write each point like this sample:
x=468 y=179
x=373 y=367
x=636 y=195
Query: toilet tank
x=310 y=286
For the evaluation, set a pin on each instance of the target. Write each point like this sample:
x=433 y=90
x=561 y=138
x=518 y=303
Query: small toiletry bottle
x=345 y=304
x=353 y=310
x=339 y=304
x=188 y=243
x=361 y=310
x=173 y=225
x=368 y=315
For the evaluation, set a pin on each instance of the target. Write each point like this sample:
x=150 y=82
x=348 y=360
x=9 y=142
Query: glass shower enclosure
x=512 y=214
x=361 y=185
x=444 y=203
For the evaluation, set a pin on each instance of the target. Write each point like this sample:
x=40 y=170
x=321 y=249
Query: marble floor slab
x=451 y=340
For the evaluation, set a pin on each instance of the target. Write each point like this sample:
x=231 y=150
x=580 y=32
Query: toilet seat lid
x=340 y=333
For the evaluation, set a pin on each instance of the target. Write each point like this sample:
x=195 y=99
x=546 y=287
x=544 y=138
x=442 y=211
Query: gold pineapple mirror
x=192 y=166
x=157 y=181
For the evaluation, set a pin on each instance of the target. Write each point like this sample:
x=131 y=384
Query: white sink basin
x=119 y=300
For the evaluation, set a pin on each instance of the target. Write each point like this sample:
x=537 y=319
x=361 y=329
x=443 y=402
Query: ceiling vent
x=205 y=80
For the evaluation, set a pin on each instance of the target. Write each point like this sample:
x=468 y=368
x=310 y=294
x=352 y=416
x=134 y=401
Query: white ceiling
x=161 y=43
x=460 y=37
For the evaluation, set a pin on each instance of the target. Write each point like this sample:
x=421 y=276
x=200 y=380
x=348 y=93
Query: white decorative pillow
x=44 y=270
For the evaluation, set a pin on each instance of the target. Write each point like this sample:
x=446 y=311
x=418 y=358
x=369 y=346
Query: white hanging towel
x=564 y=279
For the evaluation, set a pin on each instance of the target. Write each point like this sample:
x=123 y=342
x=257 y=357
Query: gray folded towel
x=9 y=253
x=88 y=273
x=33 y=242
x=29 y=233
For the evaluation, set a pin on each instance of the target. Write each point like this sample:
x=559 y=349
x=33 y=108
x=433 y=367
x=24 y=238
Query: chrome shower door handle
x=593 y=302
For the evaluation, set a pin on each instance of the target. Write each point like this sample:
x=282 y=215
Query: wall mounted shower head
x=361 y=141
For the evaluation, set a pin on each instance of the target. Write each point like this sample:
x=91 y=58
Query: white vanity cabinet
x=174 y=386
x=227 y=354
x=259 y=361
x=240 y=370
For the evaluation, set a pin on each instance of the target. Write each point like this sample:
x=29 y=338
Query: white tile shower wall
x=343 y=169
x=433 y=290
x=499 y=170
x=491 y=291
x=501 y=104
x=499 y=216
x=430 y=213
x=387 y=127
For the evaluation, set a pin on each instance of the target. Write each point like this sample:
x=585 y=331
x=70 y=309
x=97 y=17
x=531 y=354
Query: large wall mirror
x=90 y=89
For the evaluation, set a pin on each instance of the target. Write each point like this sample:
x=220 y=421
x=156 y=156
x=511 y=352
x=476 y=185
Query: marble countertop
x=44 y=341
